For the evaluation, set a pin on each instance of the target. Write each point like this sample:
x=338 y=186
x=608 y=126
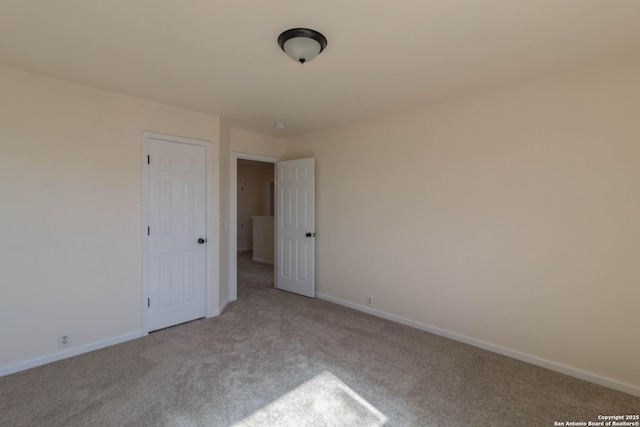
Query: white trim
x=68 y=353
x=233 y=228
x=534 y=360
x=222 y=307
x=209 y=285
x=262 y=261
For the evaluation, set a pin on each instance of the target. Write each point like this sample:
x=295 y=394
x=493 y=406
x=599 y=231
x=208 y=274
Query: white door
x=176 y=184
x=295 y=214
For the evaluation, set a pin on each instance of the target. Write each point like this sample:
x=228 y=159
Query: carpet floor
x=278 y=359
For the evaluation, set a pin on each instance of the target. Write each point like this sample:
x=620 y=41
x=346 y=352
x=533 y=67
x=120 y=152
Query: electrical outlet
x=64 y=340
x=370 y=300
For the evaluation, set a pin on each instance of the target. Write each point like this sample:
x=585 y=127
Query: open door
x=295 y=226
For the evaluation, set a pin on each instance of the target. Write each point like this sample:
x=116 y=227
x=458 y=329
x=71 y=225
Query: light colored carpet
x=274 y=358
x=324 y=400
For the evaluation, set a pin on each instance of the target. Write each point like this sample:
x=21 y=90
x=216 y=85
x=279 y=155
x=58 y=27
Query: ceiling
x=221 y=56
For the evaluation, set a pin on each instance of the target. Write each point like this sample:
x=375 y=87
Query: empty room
x=340 y=213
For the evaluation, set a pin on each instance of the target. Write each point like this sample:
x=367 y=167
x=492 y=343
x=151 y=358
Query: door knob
x=310 y=234
x=201 y=240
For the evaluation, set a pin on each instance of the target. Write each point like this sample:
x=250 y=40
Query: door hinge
x=148 y=160
x=148 y=302
x=148 y=231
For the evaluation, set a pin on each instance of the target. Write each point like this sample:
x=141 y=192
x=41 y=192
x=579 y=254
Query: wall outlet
x=370 y=300
x=64 y=340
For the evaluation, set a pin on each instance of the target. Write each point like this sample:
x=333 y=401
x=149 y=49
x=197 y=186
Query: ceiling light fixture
x=302 y=44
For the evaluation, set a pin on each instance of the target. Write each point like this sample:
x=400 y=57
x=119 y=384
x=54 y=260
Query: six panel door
x=177 y=220
x=295 y=218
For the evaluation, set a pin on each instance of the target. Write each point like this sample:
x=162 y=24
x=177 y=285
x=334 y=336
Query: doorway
x=252 y=212
x=255 y=231
x=294 y=224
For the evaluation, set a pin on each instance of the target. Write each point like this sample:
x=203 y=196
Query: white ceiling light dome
x=302 y=44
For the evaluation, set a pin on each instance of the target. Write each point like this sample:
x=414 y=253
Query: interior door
x=177 y=230
x=295 y=232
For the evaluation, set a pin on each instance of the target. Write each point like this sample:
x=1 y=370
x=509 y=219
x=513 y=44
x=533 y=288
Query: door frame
x=146 y=136
x=233 y=258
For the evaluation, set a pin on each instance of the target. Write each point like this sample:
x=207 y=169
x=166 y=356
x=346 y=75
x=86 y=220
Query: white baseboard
x=548 y=364
x=222 y=307
x=68 y=353
x=262 y=261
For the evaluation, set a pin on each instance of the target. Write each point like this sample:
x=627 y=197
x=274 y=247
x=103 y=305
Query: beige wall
x=246 y=142
x=510 y=217
x=70 y=211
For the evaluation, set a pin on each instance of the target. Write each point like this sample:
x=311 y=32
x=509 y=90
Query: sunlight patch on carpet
x=324 y=400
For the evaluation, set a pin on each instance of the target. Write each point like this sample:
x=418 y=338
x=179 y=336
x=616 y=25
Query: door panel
x=177 y=219
x=295 y=217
